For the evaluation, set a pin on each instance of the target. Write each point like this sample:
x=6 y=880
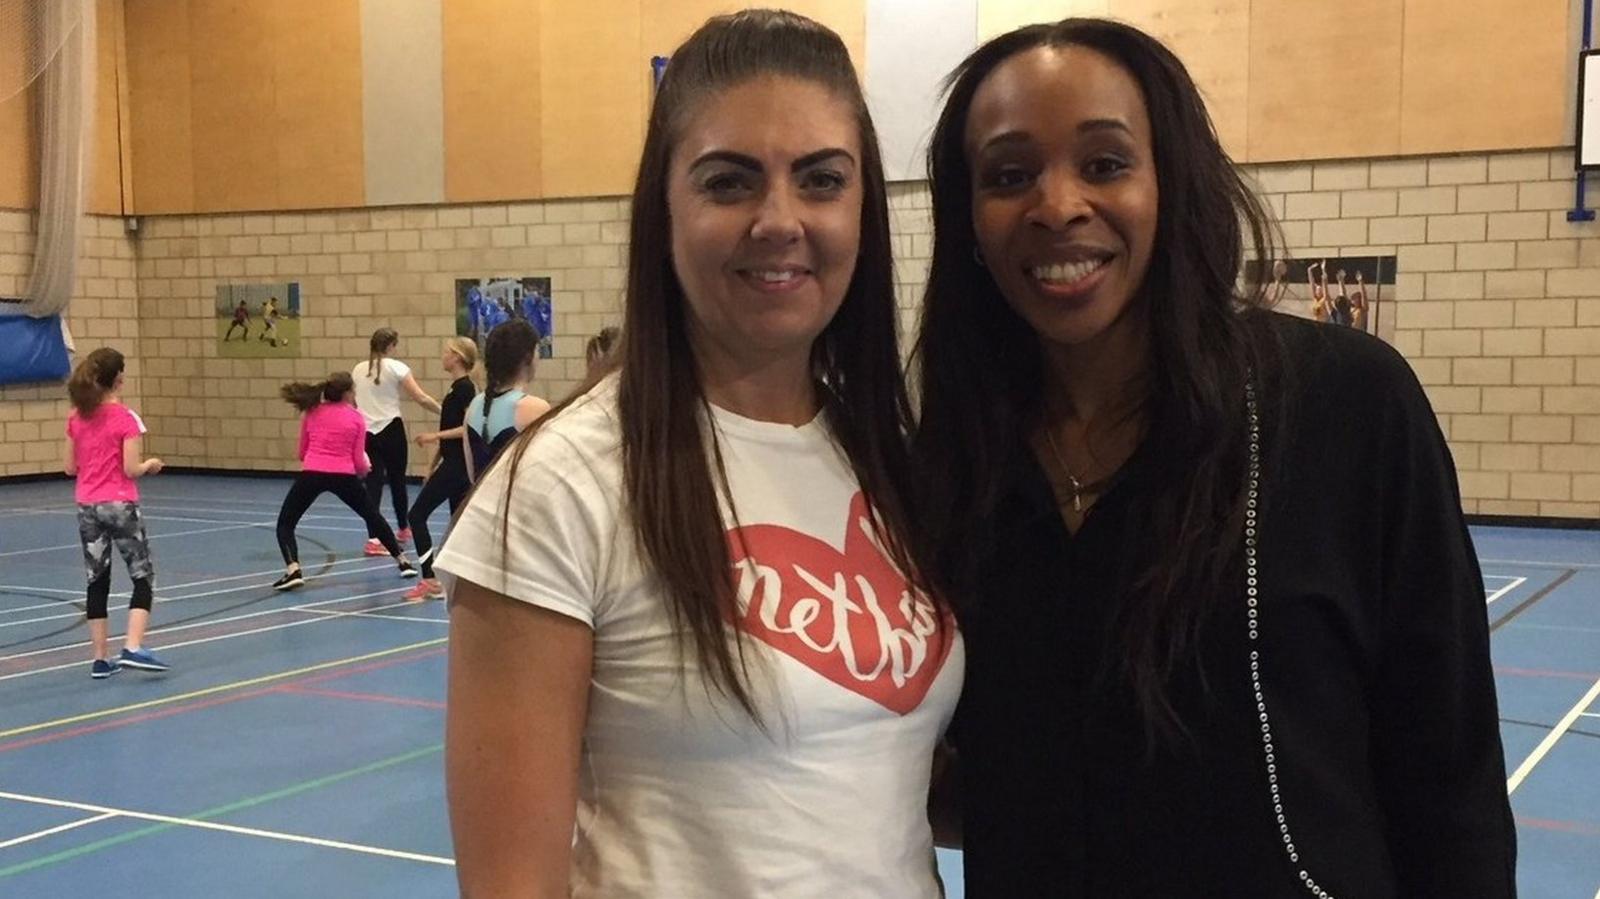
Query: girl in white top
x=689 y=651
x=379 y=382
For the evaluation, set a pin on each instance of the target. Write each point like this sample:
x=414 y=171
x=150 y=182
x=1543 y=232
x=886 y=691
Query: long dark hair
x=382 y=340
x=507 y=350
x=670 y=485
x=981 y=367
x=93 y=378
x=306 y=397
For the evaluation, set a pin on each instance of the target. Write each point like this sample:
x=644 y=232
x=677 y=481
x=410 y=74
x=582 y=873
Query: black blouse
x=452 y=414
x=1374 y=663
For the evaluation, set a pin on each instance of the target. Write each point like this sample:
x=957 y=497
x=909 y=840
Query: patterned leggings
x=102 y=526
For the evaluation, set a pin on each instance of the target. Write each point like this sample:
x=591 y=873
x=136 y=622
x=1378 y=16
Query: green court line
x=208 y=814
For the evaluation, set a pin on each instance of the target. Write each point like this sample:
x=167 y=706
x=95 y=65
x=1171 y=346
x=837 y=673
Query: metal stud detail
x=1253 y=617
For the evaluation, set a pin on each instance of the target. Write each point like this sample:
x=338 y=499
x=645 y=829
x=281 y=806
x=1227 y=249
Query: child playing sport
x=241 y=320
x=333 y=437
x=102 y=452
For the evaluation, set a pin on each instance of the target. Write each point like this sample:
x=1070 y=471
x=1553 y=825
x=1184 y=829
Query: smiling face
x=1064 y=193
x=765 y=199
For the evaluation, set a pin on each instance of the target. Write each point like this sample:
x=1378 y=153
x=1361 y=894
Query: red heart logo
x=851 y=616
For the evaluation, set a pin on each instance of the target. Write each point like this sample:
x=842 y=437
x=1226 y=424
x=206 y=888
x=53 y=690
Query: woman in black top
x=448 y=480
x=1208 y=656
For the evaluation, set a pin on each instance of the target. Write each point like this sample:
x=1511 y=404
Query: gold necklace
x=1079 y=487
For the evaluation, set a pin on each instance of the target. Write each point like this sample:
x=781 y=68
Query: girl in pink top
x=333 y=458
x=102 y=451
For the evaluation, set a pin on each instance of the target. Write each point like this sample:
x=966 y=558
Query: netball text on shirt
x=851 y=616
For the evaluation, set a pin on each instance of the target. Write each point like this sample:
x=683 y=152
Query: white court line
x=258 y=524
x=1590 y=714
x=227 y=527
x=54 y=830
x=426 y=618
x=184 y=627
x=1539 y=752
x=79 y=546
x=166 y=599
x=1532 y=564
x=1515 y=583
x=20 y=588
x=201 y=583
x=231 y=828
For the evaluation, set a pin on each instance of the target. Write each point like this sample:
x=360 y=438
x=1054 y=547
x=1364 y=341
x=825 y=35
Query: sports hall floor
x=295 y=748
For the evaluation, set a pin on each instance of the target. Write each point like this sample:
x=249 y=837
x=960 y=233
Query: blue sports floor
x=295 y=747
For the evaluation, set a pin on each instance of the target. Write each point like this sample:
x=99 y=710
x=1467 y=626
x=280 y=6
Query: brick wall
x=104 y=312
x=1497 y=307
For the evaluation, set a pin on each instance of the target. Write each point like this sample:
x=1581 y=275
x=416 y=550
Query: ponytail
x=301 y=395
x=382 y=340
x=306 y=397
x=507 y=352
x=93 y=379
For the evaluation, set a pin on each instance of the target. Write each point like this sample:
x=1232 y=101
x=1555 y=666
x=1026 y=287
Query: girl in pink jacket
x=333 y=458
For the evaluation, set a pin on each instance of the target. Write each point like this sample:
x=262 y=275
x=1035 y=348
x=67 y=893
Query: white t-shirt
x=379 y=403
x=680 y=793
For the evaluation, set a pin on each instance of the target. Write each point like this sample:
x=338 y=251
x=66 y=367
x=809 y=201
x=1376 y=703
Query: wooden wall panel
x=666 y=25
x=594 y=84
x=492 y=141
x=161 y=139
x=19 y=149
x=1324 y=79
x=317 y=120
x=1212 y=37
x=1485 y=74
x=103 y=193
x=234 y=105
x=996 y=17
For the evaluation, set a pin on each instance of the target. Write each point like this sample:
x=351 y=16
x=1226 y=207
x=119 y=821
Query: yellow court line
x=220 y=688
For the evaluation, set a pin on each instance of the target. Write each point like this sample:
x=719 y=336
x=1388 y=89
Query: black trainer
x=407 y=570
x=290 y=581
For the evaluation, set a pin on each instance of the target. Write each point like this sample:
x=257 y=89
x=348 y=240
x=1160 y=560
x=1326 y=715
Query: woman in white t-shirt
x=689 y=655
x=379 y=382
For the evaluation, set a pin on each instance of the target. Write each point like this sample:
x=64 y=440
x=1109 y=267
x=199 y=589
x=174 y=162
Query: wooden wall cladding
x=492 y=76
x=244 y=106
x=1482 y=75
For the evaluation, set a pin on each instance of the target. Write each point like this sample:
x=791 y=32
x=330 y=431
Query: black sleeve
x=453 y=411
x=1439 y=765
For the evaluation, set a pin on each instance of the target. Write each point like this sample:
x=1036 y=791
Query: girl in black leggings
x=448 y=480
x=332 y=454
x=380 y=381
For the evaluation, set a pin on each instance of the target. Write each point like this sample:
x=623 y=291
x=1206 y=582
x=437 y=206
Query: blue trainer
x=103 y=668
x=143 y=660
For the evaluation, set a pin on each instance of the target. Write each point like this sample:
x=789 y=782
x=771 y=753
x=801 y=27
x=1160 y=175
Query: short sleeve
x=134 y=424
x=74 y=425
x=551 y=551
x=399 y=369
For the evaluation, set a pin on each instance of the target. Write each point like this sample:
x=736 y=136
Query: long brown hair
x=981 y=367
x=93 y=378
x=671 y=487
x=507 y=352
x=382 y=340
x=306 y=397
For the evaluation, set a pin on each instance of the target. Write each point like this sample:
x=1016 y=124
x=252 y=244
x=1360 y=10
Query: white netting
x=25 y=49
x=49 y=45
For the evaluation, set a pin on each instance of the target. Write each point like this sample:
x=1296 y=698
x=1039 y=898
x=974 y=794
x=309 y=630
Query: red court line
x=362 y=669
x=364 y=697
x=209 y=702
x=1577 y=827
x=134 y=719
x=1587 y=676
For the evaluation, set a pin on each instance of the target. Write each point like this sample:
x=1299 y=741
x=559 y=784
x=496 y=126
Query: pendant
x=1077 y=494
